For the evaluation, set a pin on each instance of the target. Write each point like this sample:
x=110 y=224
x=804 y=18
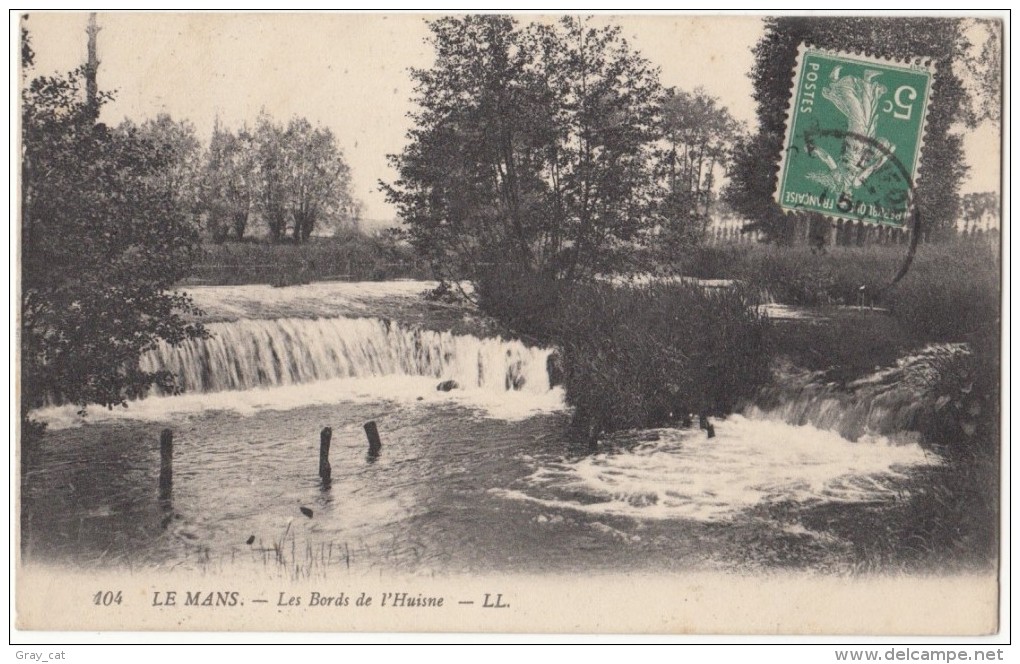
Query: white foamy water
x=405 y=391
x=685 y=475
x=886 y=402
x=264 y=353
x=252 y=365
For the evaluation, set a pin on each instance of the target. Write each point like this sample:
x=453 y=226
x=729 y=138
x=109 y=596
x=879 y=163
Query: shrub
x=528 y=303
x=639 y=356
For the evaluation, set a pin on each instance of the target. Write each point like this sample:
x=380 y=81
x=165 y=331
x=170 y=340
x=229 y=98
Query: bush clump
x=639 y=355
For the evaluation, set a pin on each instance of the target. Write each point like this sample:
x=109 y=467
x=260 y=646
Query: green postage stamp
x=854 y=135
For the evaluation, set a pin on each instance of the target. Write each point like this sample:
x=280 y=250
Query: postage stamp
x=854 y=136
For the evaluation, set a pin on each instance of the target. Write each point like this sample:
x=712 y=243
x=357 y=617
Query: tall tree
x=941 y=40
x=272 y=196
x=531 y=147
x=318 y=178
x=606 y=102
x=303 y=177
x=230 y=179
x=179 y=152
x=101 y=251
x=698 y=136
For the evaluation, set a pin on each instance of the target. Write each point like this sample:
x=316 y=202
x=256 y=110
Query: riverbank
x=350 y=255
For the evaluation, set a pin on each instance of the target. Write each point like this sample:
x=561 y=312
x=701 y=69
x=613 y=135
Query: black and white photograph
x=508 y=322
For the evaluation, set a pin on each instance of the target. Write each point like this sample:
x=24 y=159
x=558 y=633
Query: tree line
x=286 y=180
x=554 y=147
x=557 y=148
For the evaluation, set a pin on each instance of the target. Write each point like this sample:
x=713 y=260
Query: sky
x=350 y=73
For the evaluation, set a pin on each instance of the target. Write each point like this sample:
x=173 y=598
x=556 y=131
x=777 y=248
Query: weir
x=889 y=402
x=248 y=354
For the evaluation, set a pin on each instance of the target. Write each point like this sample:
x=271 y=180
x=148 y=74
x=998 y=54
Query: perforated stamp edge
x=918 y=64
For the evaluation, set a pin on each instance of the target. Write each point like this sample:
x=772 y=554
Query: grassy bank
x=350 y=256
x=950 y=292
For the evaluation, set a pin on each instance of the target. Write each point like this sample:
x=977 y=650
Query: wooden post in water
x=325 y=470
x=166 y=463
x=705 y=425
x=374 y=442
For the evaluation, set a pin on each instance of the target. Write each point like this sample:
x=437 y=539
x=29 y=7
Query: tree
x=531 y=147
x=318 y=178
x=979 y=207
x=942 y=40
x=179 y=153
x=981 y=69
x=271 y=183
x=231 y=181
x=101 y=247
x=698 y=136
x=303 y=177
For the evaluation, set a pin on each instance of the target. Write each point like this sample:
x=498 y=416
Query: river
x=481 y=478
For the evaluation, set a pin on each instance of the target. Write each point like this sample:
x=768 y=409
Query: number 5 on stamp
x=854 y=136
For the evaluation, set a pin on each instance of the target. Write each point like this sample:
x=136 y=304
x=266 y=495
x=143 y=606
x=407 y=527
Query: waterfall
x=248 y=354
x=888 y=402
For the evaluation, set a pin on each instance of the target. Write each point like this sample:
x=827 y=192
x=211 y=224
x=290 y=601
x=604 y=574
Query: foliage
x=293 y=178
x=698 y=135
x=940 y=39
x=975 y=207
x=981 y=69
x=951 y=294
x=103 y=242
x=179 y=152
x=957 y=516
x=319 y=178
x=639 y=355
x=272 y=195
x=751 y=183
x=531 y=146
x=350 y=254
x=231 y=182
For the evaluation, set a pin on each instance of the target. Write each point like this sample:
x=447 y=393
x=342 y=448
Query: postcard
x=647 y=324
